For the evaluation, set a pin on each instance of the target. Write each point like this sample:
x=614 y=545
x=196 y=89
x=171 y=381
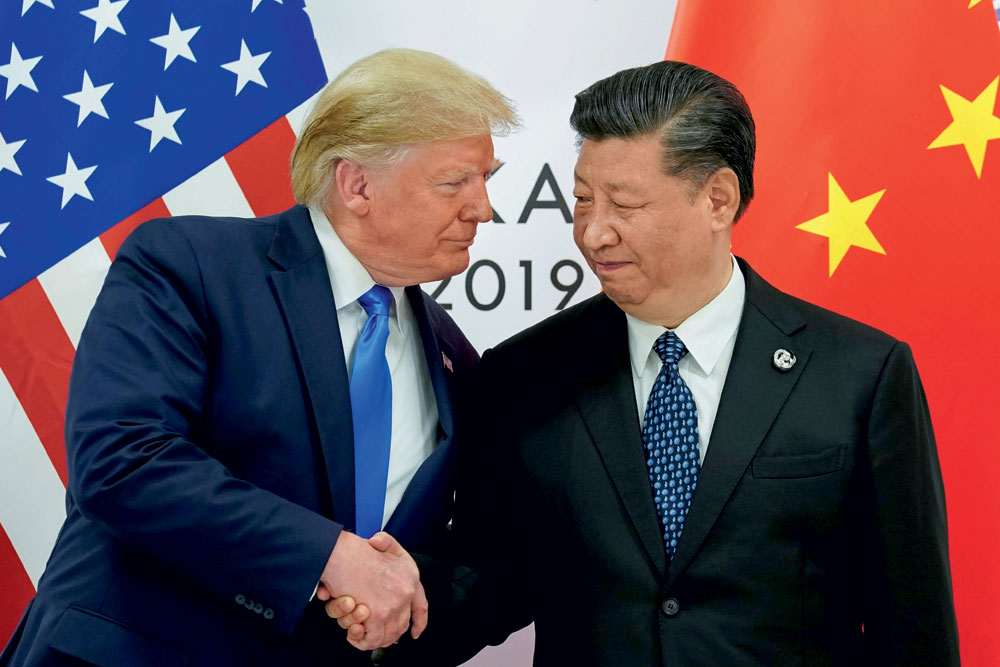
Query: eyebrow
x=462 y=172
x=613 y=187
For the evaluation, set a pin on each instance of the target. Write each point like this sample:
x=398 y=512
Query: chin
x=448 y=267
x=459 y=263
x=621 y=298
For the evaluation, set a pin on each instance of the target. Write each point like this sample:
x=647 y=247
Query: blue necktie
x=371 y=408
x=670 y=438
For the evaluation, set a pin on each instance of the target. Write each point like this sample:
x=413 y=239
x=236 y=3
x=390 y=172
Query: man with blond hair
x=252 y=399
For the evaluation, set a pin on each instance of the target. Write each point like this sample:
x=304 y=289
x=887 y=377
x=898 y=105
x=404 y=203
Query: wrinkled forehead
x=616 y=163
x=465 y=155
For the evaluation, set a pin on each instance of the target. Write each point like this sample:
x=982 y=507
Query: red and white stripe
x=40 y=326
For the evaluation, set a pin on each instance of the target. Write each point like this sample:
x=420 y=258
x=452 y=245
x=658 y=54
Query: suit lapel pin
x=446 y=362
x=783 y=360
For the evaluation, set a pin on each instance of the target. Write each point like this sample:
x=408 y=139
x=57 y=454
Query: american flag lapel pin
x=446 y=362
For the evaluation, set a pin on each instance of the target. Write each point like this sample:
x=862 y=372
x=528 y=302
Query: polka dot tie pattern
x=670 y=440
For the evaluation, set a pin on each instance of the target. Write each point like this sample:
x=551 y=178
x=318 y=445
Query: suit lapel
x=406 y=522
x=753 y=395
x=434 y=348
x=302 y=288
x=606 y=398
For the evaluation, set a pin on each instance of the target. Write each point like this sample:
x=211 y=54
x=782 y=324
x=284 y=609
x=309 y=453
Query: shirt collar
x=704 y=333
x=349 y=279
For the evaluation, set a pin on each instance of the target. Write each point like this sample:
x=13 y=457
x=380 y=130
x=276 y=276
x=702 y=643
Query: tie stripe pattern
x=670 y=440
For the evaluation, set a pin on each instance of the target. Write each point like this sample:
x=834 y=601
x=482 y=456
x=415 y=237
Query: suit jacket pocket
x=103 y=641
x=822 y=462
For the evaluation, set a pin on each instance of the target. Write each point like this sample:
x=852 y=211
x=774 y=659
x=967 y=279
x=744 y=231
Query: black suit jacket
x=816 y=534
x=211 y=458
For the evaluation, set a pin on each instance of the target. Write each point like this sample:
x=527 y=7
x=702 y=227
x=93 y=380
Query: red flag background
x=878 y=196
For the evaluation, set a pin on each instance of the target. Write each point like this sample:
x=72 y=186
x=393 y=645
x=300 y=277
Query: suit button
x=258 y=608
x=241 y=599
x=269 y=613
x=670 y=607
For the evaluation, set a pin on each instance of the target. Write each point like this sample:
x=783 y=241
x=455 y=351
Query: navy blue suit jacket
x=210 y=454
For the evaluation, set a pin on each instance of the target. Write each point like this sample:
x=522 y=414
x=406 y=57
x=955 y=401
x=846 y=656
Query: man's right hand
x=382 y=576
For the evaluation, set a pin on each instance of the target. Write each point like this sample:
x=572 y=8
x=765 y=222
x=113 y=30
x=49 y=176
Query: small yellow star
x=845 y=224
x=973 y=124
x=973 y=3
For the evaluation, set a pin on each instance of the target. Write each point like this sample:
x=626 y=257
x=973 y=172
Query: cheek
x=444 y=217
x=579 y=229
x=423 y=231
x=658 y=256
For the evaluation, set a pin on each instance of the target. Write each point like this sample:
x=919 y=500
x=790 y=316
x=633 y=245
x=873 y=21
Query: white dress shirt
x=414 y=410
x=709 y=335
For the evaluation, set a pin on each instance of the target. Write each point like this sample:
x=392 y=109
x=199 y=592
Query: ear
x=352 y=184
x=723 y=189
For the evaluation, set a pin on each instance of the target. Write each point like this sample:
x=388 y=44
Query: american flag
x=114 y=112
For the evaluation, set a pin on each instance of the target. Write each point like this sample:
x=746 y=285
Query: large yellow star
x=973 y=124
x=973 y=3
x=845 y=224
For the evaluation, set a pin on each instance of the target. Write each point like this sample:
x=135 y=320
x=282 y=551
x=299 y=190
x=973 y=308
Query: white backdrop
x=540 y=55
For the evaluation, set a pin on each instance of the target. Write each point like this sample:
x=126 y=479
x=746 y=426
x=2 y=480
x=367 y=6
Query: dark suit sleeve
x=482 y=591
x=136 y=468
x=911 y=619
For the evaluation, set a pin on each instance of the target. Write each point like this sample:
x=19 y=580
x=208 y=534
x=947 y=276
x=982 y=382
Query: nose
x=595 y=230
x=478 y=208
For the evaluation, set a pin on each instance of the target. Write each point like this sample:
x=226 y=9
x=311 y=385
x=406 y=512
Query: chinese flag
x=878 y=196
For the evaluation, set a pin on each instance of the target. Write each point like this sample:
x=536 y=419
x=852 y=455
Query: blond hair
x=381 y=104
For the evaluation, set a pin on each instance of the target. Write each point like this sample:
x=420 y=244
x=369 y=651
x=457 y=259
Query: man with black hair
x=694 y=468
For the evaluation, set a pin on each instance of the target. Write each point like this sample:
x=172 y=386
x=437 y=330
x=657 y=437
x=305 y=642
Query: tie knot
x=670 y=348
x=376 y=301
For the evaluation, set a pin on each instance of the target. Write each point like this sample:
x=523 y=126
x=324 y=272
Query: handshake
x=372 y=587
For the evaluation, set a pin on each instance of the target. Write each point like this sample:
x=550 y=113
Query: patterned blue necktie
x=371 y=408
x=670 y=438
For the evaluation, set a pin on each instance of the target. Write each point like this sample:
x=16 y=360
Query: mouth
x=609 y=267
